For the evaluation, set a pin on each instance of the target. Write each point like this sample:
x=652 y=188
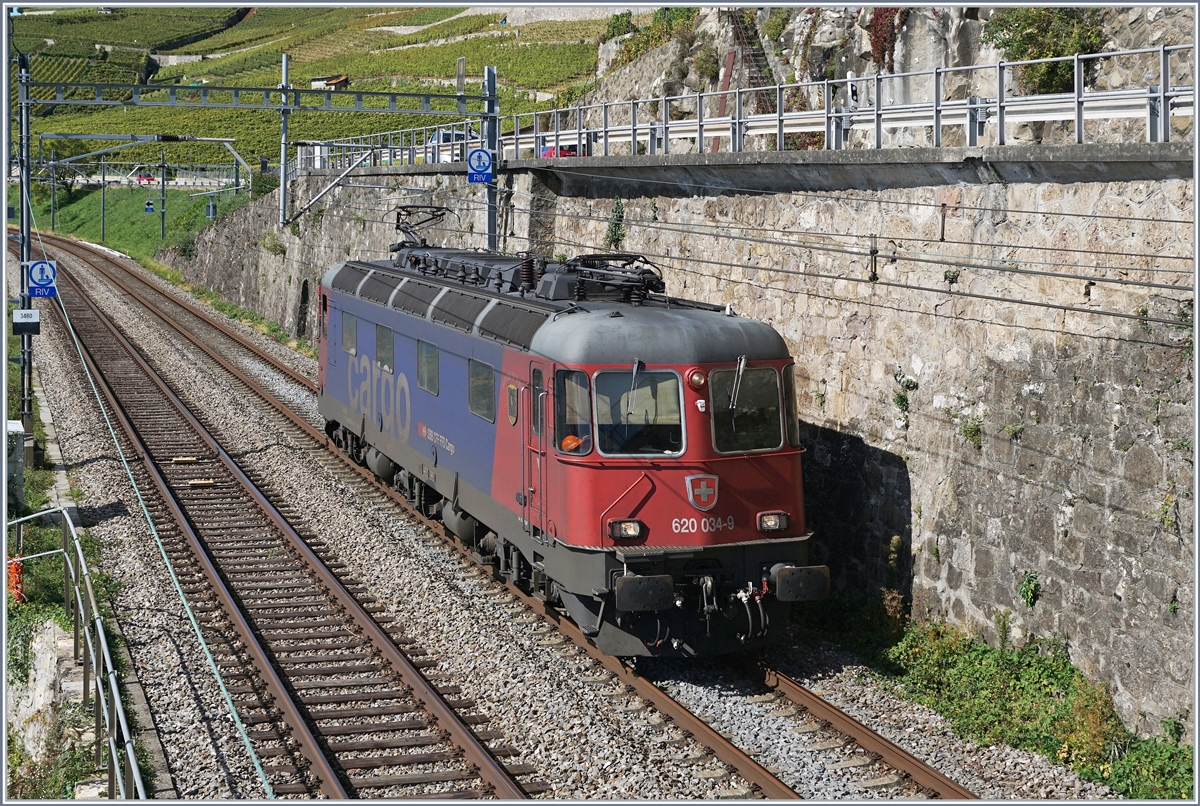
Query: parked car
x=564 y=150
x=144 y=178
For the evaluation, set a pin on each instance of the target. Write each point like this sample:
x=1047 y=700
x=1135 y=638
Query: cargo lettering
x=382 y=397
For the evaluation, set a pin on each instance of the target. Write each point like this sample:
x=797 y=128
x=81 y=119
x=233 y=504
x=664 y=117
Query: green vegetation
x=1029 y=589
x=971 y=429
x=708 y=65
x=1034 y=699
x=127 y=227
x=619 y=25
x=664 y=25
x=243 y=49
x=161 y=27
x=1043 y=33
x=462 y=26
x=1014 y=431
x=776 y=23
x=616 y=226
x=900 y=398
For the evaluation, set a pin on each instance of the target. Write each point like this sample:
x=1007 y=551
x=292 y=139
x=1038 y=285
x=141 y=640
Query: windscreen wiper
x=733 y=392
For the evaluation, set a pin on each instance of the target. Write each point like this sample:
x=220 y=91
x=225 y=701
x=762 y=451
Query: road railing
x=983 y=101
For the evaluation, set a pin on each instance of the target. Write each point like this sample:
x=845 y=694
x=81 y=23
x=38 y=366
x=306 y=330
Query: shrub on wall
x=1043 y=33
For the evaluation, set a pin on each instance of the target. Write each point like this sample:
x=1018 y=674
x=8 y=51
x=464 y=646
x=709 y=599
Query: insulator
x=636 y=295
x=527 y=274
x=580 y=289
x=541 y=267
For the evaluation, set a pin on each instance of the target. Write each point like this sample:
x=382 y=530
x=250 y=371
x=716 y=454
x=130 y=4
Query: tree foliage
x=1043 y=33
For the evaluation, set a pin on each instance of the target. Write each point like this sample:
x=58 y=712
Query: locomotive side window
x=745 y=411
x=789 y=403
x=427 y=367
x=572 y=412
x=385 y=350
x=538 y=383
x=481 y=389
x=324 y=316
x=350 y=333
x=638 y=413
x=513 y=397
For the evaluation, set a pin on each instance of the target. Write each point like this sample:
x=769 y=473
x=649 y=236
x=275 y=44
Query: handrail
x=98 y=663
x=875 y=108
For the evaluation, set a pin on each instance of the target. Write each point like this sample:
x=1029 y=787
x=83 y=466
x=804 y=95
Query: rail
x=99 y=671
x=973 y=98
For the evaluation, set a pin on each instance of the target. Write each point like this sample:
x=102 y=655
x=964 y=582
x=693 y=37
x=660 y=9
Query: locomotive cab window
x=385 y=353
x=481 y=389
x=324 y=317
x=427 y=367
x=572 y=412
x=745 y=410
x=638 y=413
x=350 y=333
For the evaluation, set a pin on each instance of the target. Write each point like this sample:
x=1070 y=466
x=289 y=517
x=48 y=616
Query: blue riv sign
x=479 y=165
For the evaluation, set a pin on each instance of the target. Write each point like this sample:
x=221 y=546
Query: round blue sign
x=42 y=273
x=480 y=161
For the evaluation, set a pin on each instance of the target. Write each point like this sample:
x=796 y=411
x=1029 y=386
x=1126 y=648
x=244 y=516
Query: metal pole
x=1078 y=99
x=878 y=104
x=283 y=143
x=779 y=118
x=699 y=123
x=162 y=201
x=1164 y=87
x=25 y=138
x=103 y=192
x=937 y=107
x=491 y=125
x=53 y=191
x=1000 y=103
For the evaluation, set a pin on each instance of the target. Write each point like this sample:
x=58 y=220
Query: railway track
x=764 y=781
x=331 y=702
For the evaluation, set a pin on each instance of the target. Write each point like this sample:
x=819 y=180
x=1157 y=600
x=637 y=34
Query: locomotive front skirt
x=630 y=457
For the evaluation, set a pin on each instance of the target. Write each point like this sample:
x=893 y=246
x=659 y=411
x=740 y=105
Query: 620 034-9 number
x=692 y=525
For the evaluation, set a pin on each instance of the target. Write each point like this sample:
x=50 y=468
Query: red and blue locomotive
x=630 y=457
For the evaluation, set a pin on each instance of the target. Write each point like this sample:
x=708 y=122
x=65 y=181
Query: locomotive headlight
x=696 y=379
x=772 y=521
x=625 y=530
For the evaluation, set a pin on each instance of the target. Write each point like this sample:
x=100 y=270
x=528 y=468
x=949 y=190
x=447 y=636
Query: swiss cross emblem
x=702 y=491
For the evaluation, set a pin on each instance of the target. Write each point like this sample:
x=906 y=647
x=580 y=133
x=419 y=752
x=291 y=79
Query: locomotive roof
x=594 y=331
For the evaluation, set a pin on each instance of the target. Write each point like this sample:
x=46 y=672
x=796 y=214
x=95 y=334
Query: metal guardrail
x=981 y=97
x=99 y=672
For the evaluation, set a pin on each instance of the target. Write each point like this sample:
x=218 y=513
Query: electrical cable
x=855 y=253
x=888 y=283
x=722 y=230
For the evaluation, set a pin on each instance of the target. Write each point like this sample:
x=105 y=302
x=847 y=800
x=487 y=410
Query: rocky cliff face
x=816 y=44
